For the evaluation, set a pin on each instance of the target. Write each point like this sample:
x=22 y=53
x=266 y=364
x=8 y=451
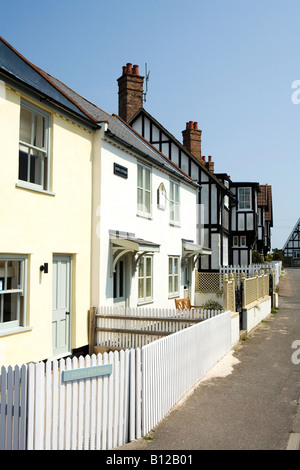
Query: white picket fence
x=107 y=411
x=173 y=365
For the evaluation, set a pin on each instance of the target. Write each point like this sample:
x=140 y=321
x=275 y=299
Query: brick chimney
x=130 y=91
x=210 y=165
x=192 y=139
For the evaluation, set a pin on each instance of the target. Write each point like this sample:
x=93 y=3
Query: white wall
x=253 y=316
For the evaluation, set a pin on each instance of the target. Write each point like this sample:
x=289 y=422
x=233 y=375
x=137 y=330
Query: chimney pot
x=195 y=125
x=136 y=70
x=124 y=70
x=129 y=68
x=209 y=158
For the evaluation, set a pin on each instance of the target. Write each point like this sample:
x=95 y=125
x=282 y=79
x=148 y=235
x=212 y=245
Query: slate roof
x=17 y=66
x=264 y=199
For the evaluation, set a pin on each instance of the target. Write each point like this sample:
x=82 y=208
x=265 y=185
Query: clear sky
x=227 y=64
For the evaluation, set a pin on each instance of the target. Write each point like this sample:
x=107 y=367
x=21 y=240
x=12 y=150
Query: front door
x=187 y=276
x=119 y=280
x=61 y=306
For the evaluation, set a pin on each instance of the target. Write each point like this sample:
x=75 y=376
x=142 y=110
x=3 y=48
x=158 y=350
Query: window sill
x=174 y=224
x=13 y=331
x=173 y=296
x=22 y=185
x=144 y=216
x=145 y=302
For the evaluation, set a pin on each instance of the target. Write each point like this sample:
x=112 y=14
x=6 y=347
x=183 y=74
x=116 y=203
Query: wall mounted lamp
x=44 y=268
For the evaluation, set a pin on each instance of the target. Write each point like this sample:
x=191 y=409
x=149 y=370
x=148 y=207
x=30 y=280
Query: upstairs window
x=143 y=190
x=244 y=197
x=174 y=203
x=34 y=147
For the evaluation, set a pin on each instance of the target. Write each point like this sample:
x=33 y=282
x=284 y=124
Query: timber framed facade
x=291 y=249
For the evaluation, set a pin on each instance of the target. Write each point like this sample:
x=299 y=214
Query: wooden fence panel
x=97 y=412
x=13 y=408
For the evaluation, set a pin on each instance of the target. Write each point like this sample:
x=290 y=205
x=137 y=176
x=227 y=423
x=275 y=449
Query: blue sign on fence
x=86 y=372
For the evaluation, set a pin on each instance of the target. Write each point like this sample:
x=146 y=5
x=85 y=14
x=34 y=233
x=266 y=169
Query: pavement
x=250 y=400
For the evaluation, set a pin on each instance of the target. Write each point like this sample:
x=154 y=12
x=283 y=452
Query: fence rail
x=124 y=328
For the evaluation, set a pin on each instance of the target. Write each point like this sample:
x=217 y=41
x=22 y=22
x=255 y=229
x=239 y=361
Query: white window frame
x=242 y=199
x=144 y=191
x=172 y=276
x=143 y=278
x=174 y=202
x=44 y=150
x=19 y=292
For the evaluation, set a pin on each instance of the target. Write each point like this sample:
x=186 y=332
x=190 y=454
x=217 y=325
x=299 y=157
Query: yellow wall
x=41 y=225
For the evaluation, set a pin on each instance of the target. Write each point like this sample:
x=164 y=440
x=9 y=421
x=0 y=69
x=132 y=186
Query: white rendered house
x=145 y=239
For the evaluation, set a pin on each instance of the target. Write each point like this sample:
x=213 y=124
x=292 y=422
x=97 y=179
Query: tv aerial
x=147 y=79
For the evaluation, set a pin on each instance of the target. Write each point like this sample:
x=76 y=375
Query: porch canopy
x=123 y=243
x=193 y=251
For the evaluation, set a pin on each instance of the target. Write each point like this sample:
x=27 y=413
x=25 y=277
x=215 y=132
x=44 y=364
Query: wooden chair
x=185 y=304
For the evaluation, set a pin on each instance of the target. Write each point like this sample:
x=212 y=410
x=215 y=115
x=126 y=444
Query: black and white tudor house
x=214 y=195
x=291 y=249
x=229 y=212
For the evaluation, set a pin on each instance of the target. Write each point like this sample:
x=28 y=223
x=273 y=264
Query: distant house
x=213 y=204
x=265 y=219
x=244 y=222
x=291 y=248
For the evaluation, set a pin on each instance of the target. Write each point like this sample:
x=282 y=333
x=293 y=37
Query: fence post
x=233 y=284
x=92 y=325
x=243 y=283
x=257 y=285
x=225 y=291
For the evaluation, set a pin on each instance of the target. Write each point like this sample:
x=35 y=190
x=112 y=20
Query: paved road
x=250 y=399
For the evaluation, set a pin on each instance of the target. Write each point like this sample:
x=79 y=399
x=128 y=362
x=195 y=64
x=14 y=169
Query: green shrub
x=212 y=305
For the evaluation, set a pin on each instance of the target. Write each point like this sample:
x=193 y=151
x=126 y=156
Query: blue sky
x=227 y=64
